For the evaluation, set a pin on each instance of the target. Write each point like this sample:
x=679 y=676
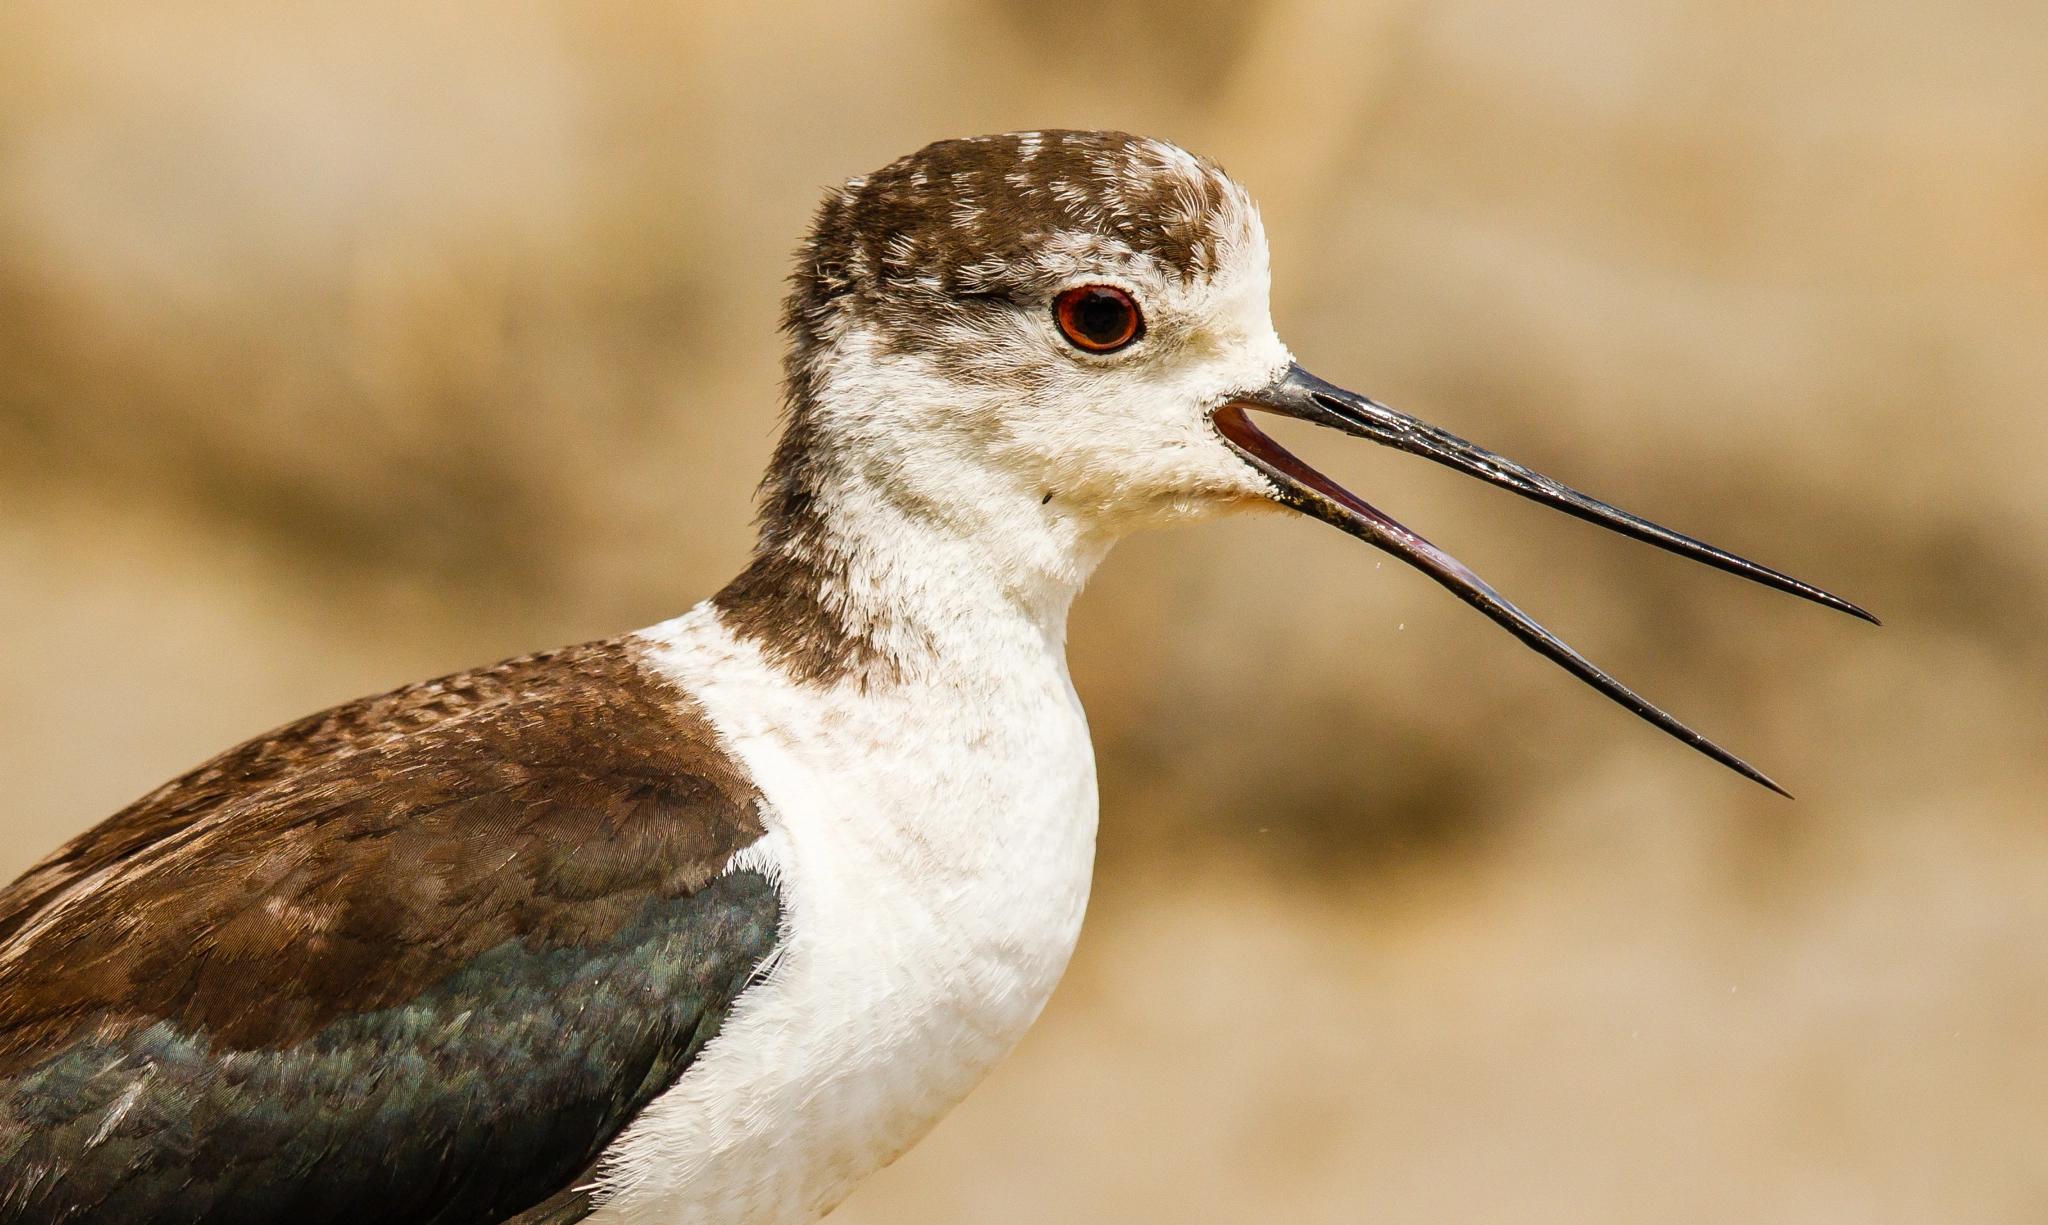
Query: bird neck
x=861 y=576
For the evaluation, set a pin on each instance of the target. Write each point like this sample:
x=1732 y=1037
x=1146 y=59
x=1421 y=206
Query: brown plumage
x=421 y=956
x=346 y=861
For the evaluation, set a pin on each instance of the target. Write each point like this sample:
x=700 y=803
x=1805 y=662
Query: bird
x=707 y=922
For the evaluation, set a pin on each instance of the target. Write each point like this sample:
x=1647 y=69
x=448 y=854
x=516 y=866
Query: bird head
x=1045 y=340
x=992 y=321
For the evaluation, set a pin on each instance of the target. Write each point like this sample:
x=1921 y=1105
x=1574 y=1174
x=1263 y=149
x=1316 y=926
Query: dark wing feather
x=572 y=1203
x=415 y=960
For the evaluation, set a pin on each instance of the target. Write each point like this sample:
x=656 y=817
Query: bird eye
x=1098 y=318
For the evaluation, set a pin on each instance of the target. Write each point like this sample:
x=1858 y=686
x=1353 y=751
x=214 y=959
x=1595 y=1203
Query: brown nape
x=346 y=862
x=949 y=233
x=790 y=600
x=782 y=602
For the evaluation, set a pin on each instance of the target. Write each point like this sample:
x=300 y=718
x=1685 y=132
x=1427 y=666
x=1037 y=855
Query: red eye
x=1098 y=318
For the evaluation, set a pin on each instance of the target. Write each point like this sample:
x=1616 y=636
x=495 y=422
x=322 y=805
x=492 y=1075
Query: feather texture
x=416 y=959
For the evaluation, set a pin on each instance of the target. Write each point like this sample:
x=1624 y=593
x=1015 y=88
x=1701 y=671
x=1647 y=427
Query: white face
x=1003 y=408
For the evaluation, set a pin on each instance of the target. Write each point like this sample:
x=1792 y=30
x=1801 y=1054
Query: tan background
x=347 y=343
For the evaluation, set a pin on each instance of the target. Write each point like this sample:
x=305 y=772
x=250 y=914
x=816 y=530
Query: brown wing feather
x=417 y=959
x=346 y=861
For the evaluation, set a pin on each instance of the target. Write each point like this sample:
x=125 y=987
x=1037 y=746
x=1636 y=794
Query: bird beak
x=1302 y=395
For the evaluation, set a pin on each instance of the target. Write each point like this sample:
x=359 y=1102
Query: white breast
x=933 y=845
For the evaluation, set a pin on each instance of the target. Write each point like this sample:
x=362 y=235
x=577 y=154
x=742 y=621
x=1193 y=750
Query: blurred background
x=343 y=344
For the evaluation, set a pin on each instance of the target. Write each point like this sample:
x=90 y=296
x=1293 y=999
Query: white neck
x=904 y=539
x=945 y=590
x=931 y=834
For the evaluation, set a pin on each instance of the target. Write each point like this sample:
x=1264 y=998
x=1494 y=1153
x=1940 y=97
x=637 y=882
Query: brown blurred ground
x=343 y=344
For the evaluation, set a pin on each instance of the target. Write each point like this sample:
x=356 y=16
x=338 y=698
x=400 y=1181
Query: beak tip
x=1751 y=773
x=1734 y=763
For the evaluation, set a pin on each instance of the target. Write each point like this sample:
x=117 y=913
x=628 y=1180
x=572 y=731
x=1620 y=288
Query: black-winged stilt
x=708 y=922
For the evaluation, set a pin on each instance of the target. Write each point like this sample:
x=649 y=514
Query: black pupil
x=1102 y=316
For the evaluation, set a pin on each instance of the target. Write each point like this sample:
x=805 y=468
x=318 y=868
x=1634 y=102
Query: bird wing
x=415 y=959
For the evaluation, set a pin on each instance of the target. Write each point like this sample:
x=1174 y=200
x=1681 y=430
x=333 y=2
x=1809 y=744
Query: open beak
x=1297 y=393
